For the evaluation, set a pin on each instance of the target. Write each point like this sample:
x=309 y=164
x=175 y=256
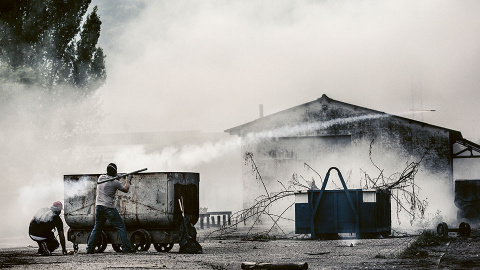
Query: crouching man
x=41 y=226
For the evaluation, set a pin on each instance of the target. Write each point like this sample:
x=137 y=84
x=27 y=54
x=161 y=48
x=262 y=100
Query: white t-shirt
x=106 y=191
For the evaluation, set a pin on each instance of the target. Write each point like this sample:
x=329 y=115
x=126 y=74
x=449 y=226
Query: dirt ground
x=457 y=253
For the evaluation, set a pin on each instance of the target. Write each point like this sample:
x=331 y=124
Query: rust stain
x=134 y=197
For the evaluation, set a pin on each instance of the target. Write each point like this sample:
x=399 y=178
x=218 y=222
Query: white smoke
x=205 y=66
x=304 y=128
x=38 y=131
x=80 y=187
x=211 y=63
x=188 y=156
x=173 y=158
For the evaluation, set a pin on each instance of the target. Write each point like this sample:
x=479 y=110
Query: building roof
x=454 y=134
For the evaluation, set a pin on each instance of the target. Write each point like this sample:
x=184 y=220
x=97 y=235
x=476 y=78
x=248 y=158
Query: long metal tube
x=120 y=176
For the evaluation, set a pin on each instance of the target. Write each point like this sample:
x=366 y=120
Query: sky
x=207 y=65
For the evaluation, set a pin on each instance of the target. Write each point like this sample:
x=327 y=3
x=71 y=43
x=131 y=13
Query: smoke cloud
x=171 y=158
x=77 y=188
x=38 y=132
x=178 y=65
x=211 y=63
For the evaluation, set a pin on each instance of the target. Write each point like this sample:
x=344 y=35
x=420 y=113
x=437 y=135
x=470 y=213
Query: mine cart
x=326 y=213
x=150 y=209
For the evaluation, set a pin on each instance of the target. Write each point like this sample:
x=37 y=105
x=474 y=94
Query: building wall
x=344 y=140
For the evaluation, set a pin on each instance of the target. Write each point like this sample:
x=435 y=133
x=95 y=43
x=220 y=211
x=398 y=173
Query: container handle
x=317 y=203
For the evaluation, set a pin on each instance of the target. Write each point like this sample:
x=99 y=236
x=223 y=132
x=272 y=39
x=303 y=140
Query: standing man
x=105 y=209
x=41 y=226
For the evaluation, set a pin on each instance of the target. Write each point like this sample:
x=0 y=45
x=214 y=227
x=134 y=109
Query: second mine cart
x=151 y=209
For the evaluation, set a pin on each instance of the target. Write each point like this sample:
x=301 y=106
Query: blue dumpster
x=327 y=212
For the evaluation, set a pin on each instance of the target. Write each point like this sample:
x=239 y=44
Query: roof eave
x=237 y=129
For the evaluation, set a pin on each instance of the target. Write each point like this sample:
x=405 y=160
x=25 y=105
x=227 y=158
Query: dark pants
x=50 y=240
x=102 y=214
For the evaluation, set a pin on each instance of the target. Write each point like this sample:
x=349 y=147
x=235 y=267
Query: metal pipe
x=120 y=176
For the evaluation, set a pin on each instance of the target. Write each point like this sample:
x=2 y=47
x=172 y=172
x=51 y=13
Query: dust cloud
x=38 y=131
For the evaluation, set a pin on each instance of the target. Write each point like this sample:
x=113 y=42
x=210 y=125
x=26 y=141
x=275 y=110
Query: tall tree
x=88 y=66
x=44 y=43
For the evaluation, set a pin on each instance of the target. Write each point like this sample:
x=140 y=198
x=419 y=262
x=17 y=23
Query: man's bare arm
x=126 y=187
x=62 y=242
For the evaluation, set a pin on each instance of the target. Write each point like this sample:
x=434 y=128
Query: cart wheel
x=141 y=240
x=442 y=229
x=75 y=248
x=162 y=247
x=117 y=247
x=464 y=229
x=101 y=244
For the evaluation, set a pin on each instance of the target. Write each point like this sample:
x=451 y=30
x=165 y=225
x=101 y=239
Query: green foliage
x=45 y=38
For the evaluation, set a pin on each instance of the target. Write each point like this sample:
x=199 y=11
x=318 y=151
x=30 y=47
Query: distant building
x=328 y=133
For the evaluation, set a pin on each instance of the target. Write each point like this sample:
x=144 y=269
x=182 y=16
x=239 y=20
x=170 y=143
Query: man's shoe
x=45 y=251
x=90 y=252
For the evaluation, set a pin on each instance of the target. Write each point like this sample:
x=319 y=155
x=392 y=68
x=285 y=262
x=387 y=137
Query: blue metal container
x=328 y=212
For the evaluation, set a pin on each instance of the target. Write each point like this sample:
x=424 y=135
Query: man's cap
x=58 y=205
x=112 y=169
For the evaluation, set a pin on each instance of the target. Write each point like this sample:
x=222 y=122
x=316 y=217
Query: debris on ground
x=292 y=266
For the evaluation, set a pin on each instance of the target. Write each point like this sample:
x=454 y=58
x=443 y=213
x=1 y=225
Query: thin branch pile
x=401 y=185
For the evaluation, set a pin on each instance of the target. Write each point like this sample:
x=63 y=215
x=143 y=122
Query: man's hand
x=126 y=187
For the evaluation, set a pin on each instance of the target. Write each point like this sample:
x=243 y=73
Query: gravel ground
x=462 y=253
x=458 y=253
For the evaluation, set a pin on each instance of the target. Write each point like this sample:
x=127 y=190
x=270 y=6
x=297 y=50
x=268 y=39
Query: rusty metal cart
x=150 y=209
